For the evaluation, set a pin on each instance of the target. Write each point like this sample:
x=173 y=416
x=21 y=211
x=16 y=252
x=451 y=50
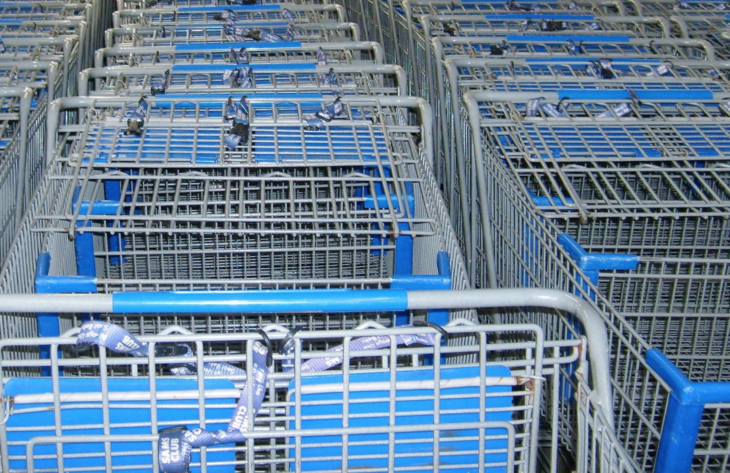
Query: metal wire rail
x=249 y=15
x=282 y=78
x=533 y=365
x=224 y=53
x=715 y=29
x=170 y=36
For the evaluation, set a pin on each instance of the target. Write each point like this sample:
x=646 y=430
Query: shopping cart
x=244 y=15
x=549 y=75
x=170 y=36
x=352 y=204
x=641 y=263
x=282 y=78
x=544 y=47
x=345 y=52
x=383 y=397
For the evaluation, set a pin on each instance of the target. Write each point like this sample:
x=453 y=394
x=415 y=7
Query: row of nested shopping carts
x=592 y=138
x=241 y=261
x=43 y=46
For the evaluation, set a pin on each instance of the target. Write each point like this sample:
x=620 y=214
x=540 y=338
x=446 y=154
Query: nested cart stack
x=245 y=224
x=605 y=156
x=42 y=46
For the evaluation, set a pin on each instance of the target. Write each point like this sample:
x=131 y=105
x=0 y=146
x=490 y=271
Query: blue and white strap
x=574 y=48
x=227 y=16
x=288 y=16
x=602 y=69
x=160 y=86
x=176 y=444
x=551 y=110
x=329 y=79
x=135 y=118
x=238 y=113
x=240 y=57
x=317 y=120
x=241 y=77
x=321 y=56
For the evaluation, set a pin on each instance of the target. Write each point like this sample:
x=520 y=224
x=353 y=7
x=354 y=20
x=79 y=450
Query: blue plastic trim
x=98 y=207
x=324 y=300
x=236 y=8
x=550 y=201
x=683 y=417
x=606 y=94
x=541 y=16
x=223 y=47
x=8 y=21
x=224 y=97
x=282 y=67
x=217 y=100
x=563 y=38
x=421 y=282
x=443 y=265
x=65 y=285
x=42 y=265
x=596 y=261
x=45 y=284
x=687 y=392
x=85 y=261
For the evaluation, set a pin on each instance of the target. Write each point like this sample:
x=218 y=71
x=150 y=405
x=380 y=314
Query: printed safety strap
x=176 y=444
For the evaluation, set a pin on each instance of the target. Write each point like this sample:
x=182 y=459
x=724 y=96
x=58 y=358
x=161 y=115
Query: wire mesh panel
x=516 y=369
x=282 y=78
